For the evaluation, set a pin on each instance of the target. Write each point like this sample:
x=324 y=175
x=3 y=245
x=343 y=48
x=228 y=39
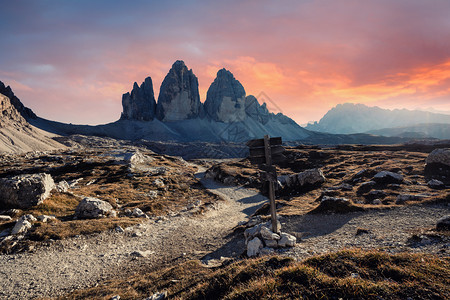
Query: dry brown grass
x=351 y=274
x=340 y=165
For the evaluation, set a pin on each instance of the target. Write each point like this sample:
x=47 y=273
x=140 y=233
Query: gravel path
x=82 y=262
x=86 y=260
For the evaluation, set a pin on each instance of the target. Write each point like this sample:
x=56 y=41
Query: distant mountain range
x=358 y=118
x=228 y=116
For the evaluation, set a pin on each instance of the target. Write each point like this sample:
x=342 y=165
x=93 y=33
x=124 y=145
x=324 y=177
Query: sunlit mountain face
x=72 y=61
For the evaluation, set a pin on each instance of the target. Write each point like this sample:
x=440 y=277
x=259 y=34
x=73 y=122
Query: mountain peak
x=22 y=109
x=179 y=98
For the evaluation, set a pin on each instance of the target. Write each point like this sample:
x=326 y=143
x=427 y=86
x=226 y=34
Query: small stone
x=267 y=234
x=365 y=187
x=159 y=183
x=443 y=223
x=45 y=218
x=62 y=186
x=119 y=229
x=287 y=240
x=435 y=184
x=388 y=177
x=146 y=253
x=22 y=225
x=254 y=247
x=377 y=202
x=271 y=243
x=408 y=197
x=158 y=296
x=138 y=213
x=116 y=297
x=4 y=218
x=267 y=251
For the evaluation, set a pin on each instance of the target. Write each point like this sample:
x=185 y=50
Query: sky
x=71 y=61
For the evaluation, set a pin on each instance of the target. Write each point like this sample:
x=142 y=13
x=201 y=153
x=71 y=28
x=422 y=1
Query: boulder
x=385 y=177
x=178 y=96
x=25 y=191
x=271 y=243
x=22 y=225
x=140 y=104
x=439 y=156
x=267 y=234
x=308 y=178
x=377 y=202
x=287 y=240
x=365 y=187
x=225 y=99
x=443 y=223
x=254 y=247
x=435 y=184
x=92 y=208
x=138 y=162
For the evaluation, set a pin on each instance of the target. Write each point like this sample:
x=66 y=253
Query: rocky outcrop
x=24 y=111
x=140 y=104
x=92 y=208
x=255 y=111
x=225 y=99
x=438 y=165
x=178 y=96
x=25 y=191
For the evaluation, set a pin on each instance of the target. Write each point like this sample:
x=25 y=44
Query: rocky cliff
x=140 y=103
x=225 y=99
x=24 y=111
x=178 y=96
x=16 y=134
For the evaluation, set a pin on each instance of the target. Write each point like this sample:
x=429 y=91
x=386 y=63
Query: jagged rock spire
x=140 y=104
x=178 y=97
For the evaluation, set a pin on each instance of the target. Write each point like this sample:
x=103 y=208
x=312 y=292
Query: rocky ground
x=163 y=211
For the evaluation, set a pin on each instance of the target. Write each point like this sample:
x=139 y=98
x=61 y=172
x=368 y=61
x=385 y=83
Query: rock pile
x=25 y=191
x=260 y=237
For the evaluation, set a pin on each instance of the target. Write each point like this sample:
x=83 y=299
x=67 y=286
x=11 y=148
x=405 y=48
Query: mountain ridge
x=351 y=118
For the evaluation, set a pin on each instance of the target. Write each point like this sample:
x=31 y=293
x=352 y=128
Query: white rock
x=4 y=218
x=30 y=218
x=254 y=247
x=287 y=240
x=116 y=297
x=45 y=218
x=138 y=213
x=91 y=208
x=159 y=183
x=25 y=191
x=62 y=186
x=21 y=226
x=267 y=234
x=158 y=296
x=152 y=194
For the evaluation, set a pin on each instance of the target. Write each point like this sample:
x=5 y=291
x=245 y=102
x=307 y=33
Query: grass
x=349 y=274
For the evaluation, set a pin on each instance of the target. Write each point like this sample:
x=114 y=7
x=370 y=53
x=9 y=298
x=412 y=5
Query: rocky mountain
x=178 y=97
x=16 y=134
x=140 y=103
x=356 y=118
x=225 y=99
x=24 y=111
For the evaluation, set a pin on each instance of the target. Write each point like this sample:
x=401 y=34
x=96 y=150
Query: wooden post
x=273 y=211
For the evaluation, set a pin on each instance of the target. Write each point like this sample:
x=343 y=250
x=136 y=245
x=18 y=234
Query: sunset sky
x=71 y=61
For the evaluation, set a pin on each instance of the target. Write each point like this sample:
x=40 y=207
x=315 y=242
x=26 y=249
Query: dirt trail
x=83 y=261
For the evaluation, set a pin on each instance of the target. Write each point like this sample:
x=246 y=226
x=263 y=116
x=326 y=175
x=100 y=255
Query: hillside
x=433 y=130
x=357 y=118
x=17 y=135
